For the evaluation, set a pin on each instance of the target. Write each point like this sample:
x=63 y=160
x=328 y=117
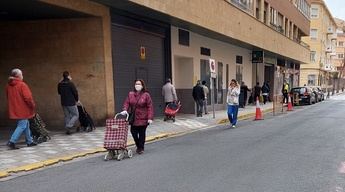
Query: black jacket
x=198 y=93
x=68 y=93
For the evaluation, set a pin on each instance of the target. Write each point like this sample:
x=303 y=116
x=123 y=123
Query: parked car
x=304 y=95
x=320 y=95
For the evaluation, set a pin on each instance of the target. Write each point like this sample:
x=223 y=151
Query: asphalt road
x=302 y=151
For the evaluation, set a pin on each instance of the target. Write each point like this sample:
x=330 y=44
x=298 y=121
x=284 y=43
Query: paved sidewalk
x=67 y=147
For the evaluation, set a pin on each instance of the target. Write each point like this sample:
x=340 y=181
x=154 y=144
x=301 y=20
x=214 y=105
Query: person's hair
x=65 y=74
x=257 y=83
x=16 y=72
x=234 y=81
x=142 y=83
x=168 y=80
x=203 y=82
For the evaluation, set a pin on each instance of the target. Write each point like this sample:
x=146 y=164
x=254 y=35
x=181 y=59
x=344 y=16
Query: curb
x=53 y=161
x=49 y=162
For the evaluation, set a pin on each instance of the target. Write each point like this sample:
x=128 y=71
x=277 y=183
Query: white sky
x=337 y=8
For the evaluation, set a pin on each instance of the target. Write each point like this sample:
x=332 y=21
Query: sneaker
x=68 y=132
x=32 y=144
x=12 y=146
x=233 y=126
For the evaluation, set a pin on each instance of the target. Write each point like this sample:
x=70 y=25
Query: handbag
x=131 y=115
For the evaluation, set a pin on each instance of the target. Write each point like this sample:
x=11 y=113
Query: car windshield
x=299 y=90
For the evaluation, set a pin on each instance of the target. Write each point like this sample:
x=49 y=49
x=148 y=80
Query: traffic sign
x=212 y=66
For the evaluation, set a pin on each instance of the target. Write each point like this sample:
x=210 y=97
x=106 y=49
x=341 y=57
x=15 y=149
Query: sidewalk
x=64 y=148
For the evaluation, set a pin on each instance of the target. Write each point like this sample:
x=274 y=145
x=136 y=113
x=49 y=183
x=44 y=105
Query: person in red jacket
x=21 y=107
x=139 y=101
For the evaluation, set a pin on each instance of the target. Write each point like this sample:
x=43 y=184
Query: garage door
x=129 y=64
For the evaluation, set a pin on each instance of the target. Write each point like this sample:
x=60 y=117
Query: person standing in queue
x=139 y=103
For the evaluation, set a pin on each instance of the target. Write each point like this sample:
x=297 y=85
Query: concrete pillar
x=254 y=8
x=268 y=15
x=287 y=27
x=261 y=9
x=291 y=30
x=283 y=25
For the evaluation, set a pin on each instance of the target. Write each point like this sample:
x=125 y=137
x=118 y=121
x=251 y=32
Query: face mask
x=138 y=87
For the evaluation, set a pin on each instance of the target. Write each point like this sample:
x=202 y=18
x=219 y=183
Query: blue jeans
x=232 y=114
x=22 y=126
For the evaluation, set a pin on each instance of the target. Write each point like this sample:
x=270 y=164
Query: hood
x=12 y=81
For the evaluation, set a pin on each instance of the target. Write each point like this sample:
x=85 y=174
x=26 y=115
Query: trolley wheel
x=173 y=119
x=109 y=156
x=120 y=156
x=129 y=153
x=165 y=119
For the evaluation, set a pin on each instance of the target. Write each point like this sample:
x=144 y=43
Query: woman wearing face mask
x=139 y=102
x=233 y=103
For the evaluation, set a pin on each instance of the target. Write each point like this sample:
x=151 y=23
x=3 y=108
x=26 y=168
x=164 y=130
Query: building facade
x=340 y=50
x=106 y=45
x=321 y=69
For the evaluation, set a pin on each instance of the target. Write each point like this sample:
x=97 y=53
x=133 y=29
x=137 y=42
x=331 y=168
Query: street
x=301 y=151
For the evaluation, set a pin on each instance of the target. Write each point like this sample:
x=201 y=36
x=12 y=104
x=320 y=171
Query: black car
x=303 y=95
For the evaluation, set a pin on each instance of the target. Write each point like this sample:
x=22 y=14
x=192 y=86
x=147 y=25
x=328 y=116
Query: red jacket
x=20 y=102
x=144 y=108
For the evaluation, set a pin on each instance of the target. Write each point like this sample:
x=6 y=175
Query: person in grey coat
x=69 y=100
x=169 y=92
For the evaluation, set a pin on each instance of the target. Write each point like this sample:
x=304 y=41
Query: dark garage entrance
x=130 y=37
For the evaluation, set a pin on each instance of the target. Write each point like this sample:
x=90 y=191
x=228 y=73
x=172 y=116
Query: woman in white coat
x=232 y=100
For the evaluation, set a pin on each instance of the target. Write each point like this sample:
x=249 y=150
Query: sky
x=337 y=8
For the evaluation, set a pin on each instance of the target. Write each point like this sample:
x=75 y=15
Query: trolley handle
x=118 y=114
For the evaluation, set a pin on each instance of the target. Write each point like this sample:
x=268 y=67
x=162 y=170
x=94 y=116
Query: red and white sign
x=212 y=66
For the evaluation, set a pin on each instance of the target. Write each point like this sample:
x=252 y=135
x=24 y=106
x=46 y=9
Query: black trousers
x=139 y=135
x=199 y=106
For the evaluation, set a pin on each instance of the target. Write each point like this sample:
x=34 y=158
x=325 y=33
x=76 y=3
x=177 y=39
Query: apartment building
x=107 y=44
x=340 y=51
x=321 y=69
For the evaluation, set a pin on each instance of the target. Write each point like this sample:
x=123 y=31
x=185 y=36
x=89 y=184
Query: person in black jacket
x=243 y=95
x=69 y=100
x=199 y=97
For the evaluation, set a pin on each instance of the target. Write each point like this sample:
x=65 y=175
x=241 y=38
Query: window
x=311 y=80
x=313 y=56
x=183 y=37
x=313 y=34
x=341 y=43
x=340 y=55
x=246 y=5
x=205 y=51
x=239 y=59
x=314 y=12
x=273 y=16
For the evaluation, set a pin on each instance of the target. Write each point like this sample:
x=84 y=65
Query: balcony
x=277 y=28
x=333 y=53
x=334 y=36
x=329 y=49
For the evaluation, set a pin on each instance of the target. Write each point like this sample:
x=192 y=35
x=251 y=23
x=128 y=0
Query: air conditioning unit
x=330 y=30
x=327 y=67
